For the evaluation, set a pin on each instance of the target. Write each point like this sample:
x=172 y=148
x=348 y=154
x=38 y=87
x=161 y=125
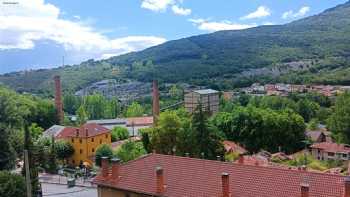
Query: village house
x=319 y=136
x=134 y=124
x=173 y=176
x=330 y=151
x=85 y=140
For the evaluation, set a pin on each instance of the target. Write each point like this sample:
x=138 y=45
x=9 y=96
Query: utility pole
x=28 y=181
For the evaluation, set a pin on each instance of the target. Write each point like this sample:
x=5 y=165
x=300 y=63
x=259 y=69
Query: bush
x=231 y=157
x=12 y=185
x=119 y=133
x=103 y=150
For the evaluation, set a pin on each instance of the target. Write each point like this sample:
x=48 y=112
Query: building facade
x=85 y=141
x=330 y=151
x=209 y=99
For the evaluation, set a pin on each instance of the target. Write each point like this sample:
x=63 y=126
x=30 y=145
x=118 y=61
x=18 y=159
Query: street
x=63 y=191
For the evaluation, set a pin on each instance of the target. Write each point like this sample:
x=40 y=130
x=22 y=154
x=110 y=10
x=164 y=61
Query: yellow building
x=85 y=141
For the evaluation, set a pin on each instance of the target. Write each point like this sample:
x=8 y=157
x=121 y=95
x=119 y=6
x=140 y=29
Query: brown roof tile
x=189 y=177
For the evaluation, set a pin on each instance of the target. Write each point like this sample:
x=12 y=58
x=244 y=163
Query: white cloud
x=157 y=5
x=27 y=22
x=162 y=6
x=211 y=26
x=181 y=11
x=301 y=12
x=261 y=12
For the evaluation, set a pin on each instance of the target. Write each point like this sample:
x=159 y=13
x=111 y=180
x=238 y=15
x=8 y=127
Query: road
x=56 y=190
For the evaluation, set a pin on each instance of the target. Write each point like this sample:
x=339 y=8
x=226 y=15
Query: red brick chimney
x=104 y=166
x=115 y=168
x=58 y=99
x=347 y=186
x=156 y=108
x=160 y=180
x=225 y=185
x=304 y=190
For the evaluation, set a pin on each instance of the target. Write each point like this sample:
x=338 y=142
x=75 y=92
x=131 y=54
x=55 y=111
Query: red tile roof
x=189 y=177
x=233 y=147
x=140 y=121
x=332 y=147
x=86 y=130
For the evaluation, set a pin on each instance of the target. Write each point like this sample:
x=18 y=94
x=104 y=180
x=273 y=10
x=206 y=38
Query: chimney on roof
x=218 y=158
x=304 y=190
x=347 y=186
x=160 y=180
x=58 y=99
x=104 y=166
x=115 y=168
x=156 y=108
x=225 y=184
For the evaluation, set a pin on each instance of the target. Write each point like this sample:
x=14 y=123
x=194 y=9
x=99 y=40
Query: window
x=81 y=151
x=73 y=161
x=93 y=150
x=92 y=139
x=100 y=141
x=331 y=154
x=81 y=141
x=345 y=155
x=72 y=140
x=106 y=136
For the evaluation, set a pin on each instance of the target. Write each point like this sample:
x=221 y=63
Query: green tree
x=12 y=185
x=339 y=121
x=130 y=151
x=103 y=150
x=119 y=133
x=175 y=92
x=208 y=140
x=7 y=153
x=307 y=109
x=265 y=129
x=71 y=103
x=134 y=110
x=35 y=131
x=63 y=150
x=82 y=115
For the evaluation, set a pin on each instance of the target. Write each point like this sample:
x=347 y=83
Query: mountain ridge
x=320 y=43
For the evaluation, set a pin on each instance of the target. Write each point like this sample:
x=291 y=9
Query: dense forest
x=311 y=50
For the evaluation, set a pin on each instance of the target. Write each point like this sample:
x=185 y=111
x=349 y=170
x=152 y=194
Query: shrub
x=119 y=133
x=12 y=185
x=103 y=150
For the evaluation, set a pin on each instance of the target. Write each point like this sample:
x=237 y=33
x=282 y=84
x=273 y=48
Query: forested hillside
x=311 y=50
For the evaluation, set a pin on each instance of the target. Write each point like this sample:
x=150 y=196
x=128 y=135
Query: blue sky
x=37 y=33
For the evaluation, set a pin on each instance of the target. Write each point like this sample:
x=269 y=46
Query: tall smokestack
x=156 y=109
x=58 y=99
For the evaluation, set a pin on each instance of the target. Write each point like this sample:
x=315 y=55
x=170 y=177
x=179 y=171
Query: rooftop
x=140 y=121
x=234 y=147
x=86 y=130
x=206 y=91
x=190 y=177
x=332 y=147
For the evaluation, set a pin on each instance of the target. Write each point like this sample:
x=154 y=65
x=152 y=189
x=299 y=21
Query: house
x=233 y=147
x=208 y=98
x=85 y=140
x=330 y=151
x=316 y=136
x=172 y=176
x=134 y=124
